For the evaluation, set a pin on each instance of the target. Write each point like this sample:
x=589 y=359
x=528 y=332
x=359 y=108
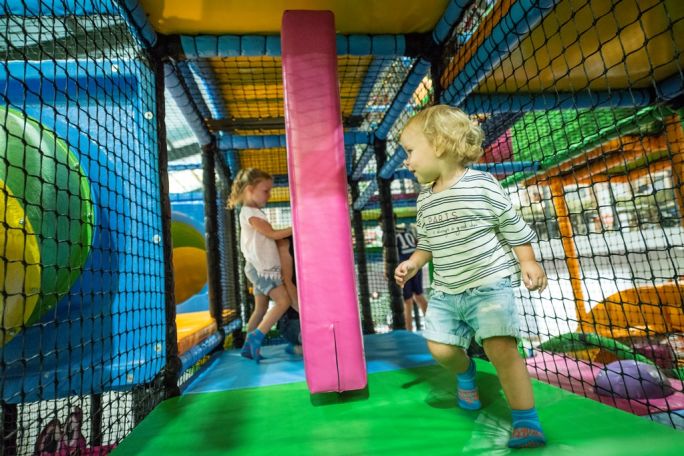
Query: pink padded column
x=331 y=330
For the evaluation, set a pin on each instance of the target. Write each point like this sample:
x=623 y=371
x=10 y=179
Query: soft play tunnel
x=48 y=193
x=83 y=270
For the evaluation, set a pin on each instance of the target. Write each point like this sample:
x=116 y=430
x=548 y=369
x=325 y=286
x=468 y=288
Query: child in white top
x=252 y=190
x=479 y=246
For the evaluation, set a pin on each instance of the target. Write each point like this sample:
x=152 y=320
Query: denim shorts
x=262 y=285
x=483 y=312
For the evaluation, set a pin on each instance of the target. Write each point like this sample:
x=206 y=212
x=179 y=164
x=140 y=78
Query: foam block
x=331 y=329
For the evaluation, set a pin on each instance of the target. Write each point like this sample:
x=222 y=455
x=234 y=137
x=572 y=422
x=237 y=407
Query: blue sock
x=252 y=347
x=468 y=397
x=527 y=431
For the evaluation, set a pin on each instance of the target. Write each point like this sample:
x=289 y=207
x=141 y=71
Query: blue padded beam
x=376 y=67
x=175 y=167
x=516 y=102
x=227 y=141
x=413 y=80
x=199 y=351
x=348 y=157
x=362 y=162
x=187 y=107
x=521 y=18
x=193 y=88
x=233 y=161
x=267 y=141
x=136 y=18
x=366 y=195
x=393 y=163
x=453 y=12
x=209 y=46
x=34 y=8
x=671 y=87
x=131 y=10
x=215 y=101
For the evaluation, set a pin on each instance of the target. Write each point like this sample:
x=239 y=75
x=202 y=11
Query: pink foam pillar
x=331 y=329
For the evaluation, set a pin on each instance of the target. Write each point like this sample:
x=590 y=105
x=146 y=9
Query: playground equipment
x=68 y=203
x=322 y=236
x=583 y=125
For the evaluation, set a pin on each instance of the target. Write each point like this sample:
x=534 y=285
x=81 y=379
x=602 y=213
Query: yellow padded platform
x=193 y=328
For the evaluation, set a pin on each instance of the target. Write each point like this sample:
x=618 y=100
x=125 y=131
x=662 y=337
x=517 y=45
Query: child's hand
x=533 y=276
x=404 y=272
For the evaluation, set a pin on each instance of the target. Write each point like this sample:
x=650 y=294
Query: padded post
x=329 y=315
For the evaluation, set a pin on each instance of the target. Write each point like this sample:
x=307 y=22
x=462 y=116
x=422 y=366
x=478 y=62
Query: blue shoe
x=252 y=347
x=526 y=437
x=527 y=431
x=246 y=351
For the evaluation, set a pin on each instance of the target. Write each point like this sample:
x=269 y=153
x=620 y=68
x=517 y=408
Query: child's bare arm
x=533 y=275
x=410 y=267
x=265 y=228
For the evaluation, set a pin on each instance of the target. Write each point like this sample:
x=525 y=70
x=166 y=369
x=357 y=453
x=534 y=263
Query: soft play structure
x=71 y=221
x=631 y=337
x=123 y=299
x=197 y=328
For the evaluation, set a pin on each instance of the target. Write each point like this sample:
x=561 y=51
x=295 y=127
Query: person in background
x=252 y=190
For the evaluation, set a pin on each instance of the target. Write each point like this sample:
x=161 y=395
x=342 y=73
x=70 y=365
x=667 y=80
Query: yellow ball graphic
x=19 y=266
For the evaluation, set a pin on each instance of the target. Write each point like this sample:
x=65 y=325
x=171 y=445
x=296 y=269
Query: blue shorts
x=485 y=311
x=262 y=285
x=413 y=286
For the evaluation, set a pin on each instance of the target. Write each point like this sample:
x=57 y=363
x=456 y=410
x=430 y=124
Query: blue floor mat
x=384 y=352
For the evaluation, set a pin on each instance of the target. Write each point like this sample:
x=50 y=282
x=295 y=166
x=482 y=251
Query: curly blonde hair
x=245 y=177
x=450 y=131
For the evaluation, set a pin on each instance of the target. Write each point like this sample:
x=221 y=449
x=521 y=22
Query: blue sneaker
x=246 y=351
x=527 y=431
x=252 y=347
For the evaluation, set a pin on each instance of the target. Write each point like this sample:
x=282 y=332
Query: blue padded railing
x=214 y=99
x=521 y=18
x=226 y=141
x=193 y=88
x=497 y=103
x=187 y=106
x=210 y=46
x=448 y=19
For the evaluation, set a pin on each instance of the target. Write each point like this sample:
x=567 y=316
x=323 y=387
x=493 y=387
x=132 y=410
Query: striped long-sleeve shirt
x=470 y=228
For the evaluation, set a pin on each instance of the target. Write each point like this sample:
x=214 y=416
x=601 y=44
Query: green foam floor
x=406 y=412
